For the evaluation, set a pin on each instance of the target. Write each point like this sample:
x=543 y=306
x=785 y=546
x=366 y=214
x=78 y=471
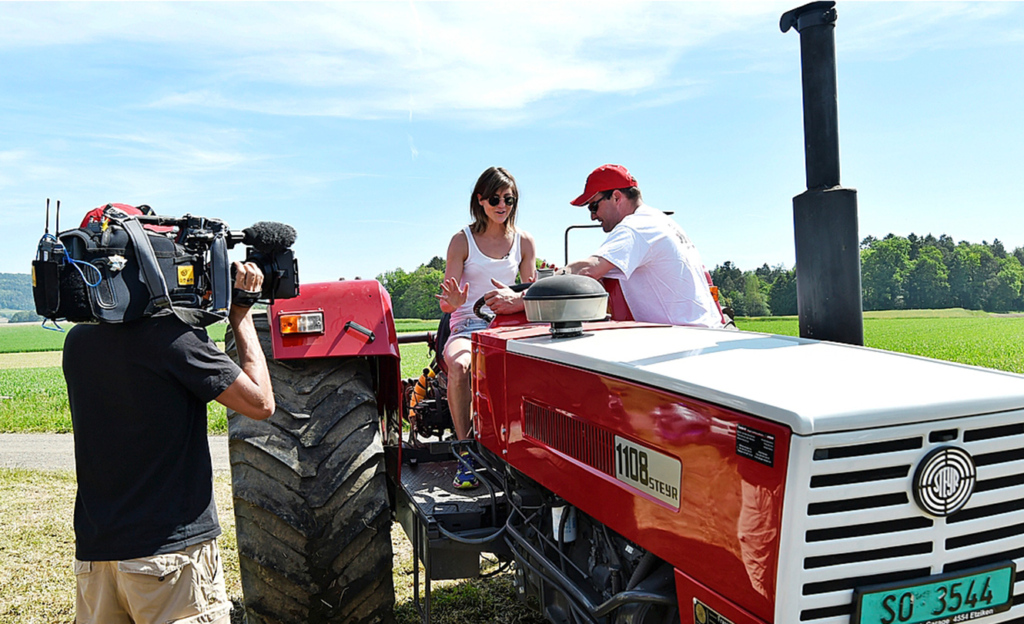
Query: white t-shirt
x=660 y=271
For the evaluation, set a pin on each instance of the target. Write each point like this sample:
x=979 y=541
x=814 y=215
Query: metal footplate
x=449 y=528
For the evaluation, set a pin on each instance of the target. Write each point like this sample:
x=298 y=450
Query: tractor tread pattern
x=310 y=496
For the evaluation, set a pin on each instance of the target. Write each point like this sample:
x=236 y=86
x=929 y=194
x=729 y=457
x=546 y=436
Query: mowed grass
x=37 y=547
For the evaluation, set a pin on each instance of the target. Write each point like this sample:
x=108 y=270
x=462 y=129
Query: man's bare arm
x=251 y=393
x=594 y=266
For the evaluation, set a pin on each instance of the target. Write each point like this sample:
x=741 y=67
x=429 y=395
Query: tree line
x=16 y=302
x=897 y=272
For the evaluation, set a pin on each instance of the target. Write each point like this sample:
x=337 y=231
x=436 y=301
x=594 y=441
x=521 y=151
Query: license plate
x=944 y=599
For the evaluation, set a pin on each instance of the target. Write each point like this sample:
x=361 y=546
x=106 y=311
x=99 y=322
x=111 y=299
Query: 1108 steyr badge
x=647 y=470
x=946 y=599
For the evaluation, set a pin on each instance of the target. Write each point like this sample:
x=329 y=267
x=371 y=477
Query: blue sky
x=365 y=125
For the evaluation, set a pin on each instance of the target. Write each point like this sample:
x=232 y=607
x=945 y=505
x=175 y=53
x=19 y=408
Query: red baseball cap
x=605 y=178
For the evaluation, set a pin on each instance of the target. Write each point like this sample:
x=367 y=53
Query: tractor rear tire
x=310 y=496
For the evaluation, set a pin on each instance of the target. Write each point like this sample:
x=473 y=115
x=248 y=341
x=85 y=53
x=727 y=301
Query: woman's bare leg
x=457 y=355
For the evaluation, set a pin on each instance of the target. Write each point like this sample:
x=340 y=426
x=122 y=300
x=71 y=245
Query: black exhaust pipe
x=825 y=215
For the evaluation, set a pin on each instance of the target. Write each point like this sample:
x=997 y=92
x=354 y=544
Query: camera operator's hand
x=251 y=393
x=248 y=285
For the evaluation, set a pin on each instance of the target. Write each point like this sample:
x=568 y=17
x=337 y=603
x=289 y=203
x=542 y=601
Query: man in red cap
x=658 y=267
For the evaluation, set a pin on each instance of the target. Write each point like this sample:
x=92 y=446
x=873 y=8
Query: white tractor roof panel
x=811 y=386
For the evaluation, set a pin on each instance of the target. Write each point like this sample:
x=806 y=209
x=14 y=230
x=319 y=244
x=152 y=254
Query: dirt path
x=56 y=451
x=36 y=359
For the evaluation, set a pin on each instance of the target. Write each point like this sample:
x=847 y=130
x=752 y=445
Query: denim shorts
x=466 y=327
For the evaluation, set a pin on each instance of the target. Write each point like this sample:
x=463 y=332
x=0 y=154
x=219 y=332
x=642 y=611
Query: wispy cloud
x=383 y=60
x=896 y=30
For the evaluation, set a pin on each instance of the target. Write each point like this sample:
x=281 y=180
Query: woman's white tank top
x=478 y=271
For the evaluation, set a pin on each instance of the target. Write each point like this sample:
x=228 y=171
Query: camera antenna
x=58 y=216
x=46 y=230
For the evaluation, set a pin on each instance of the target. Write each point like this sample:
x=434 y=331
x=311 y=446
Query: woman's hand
x=452 y=295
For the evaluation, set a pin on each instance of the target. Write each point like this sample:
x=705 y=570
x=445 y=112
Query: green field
x=34 y=399
x=23 y=338
x=963 y=336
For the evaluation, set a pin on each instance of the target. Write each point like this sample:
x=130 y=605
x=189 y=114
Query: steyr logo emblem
x=944 y=480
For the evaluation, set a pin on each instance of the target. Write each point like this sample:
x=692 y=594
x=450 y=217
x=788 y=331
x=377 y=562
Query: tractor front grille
x=852 y=521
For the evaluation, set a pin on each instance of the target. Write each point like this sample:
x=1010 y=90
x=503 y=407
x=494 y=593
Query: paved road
x=56 y=451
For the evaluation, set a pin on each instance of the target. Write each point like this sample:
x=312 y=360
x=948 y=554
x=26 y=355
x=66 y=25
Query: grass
x=29 y=338
x=962 y=336
x=415 y=325
x=35 y=400
x=33 y=395
x=24 y=338
x=37 y=547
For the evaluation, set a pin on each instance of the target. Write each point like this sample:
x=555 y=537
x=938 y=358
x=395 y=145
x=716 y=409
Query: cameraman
x=145 y=519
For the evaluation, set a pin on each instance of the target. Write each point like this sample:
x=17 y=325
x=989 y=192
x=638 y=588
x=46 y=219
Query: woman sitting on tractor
x=490 y=248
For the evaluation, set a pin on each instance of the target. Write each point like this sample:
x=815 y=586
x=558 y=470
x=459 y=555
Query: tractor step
x=449 y=528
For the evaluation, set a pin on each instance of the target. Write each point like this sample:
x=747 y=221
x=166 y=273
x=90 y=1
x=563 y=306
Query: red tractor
x=632 y=472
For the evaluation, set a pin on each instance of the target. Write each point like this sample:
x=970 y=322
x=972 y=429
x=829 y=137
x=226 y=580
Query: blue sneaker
x=464 y=477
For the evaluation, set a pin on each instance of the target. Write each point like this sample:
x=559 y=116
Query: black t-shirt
x=138 y=395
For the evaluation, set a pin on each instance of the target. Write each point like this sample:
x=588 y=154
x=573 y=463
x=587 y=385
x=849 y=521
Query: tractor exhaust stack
x=825 y=215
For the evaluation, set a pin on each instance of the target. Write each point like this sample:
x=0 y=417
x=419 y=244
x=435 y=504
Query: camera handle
x=220 y=274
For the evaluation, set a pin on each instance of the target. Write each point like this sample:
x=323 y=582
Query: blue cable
x=75 y=263
x=56 y=327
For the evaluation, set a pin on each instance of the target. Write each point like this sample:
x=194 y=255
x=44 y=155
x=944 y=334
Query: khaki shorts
x=185 y=587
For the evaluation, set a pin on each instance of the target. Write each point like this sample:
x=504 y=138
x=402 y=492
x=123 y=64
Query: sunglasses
x=510 y=201
x=593 y=206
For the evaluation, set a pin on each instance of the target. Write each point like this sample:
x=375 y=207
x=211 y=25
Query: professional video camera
x=125 y=262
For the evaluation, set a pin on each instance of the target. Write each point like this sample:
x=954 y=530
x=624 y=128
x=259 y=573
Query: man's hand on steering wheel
x=503 y=300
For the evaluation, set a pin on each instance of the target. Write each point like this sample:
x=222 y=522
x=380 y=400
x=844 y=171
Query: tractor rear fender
x=357 y=321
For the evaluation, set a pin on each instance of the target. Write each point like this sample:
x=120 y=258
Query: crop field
x=976 y=339
x=33 y=397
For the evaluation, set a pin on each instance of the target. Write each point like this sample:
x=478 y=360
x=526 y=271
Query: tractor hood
x=808 y=385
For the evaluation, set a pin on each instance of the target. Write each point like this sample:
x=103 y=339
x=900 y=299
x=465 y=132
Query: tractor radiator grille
x=854 y=521
x=572 y=436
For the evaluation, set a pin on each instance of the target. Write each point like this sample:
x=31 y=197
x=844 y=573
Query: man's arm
x=594 y=266
x=504 y=301
x=251 y=393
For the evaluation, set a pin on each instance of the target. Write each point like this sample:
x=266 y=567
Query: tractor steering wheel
x=478 y=306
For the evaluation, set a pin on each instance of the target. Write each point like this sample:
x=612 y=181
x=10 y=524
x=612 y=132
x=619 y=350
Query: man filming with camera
x=145 y=519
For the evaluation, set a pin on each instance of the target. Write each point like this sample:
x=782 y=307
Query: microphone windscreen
x=269 y=236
